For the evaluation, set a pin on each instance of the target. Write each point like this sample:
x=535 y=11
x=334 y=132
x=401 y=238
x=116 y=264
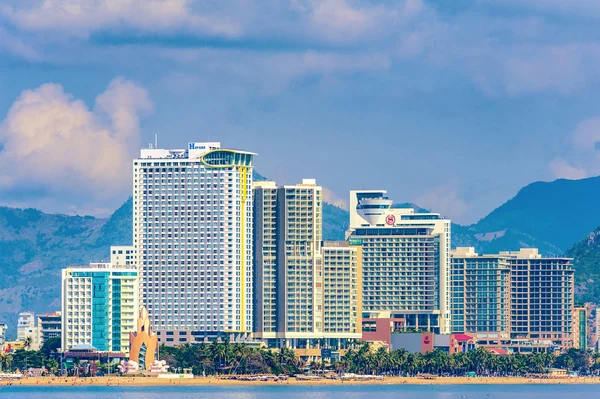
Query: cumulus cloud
x=64 y=154
x=581 y=157
x=330 y=197
x=445 y=200
x=84 y=17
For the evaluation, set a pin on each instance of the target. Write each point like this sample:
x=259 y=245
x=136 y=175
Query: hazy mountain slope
x=34 y=246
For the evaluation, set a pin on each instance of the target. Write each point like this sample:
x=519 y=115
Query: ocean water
x=311 y=392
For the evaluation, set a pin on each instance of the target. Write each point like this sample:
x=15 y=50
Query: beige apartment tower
x=301 y=285
x=342 y=283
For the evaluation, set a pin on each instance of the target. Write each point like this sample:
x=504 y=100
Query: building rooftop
x=104 y=266
x=194 y=150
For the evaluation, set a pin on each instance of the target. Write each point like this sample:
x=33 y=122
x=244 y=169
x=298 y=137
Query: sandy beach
x=205 y=381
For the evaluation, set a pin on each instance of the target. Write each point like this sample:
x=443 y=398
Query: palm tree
x=5 y=360
x=27 y=345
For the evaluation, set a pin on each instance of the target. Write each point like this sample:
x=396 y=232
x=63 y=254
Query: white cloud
x=55 y=146
x=561 y=169
x=78 y=17
x=330 y=197
x=339 y=21
x=14 y=45
x=561 y=68
x=587 y=135
x=445 y=200
x=581 y=157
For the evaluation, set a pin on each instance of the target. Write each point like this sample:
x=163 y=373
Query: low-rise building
x=428 y=342
x=28 y=330
x=25 y=325
x=99 y=306
x=50 y=326
x=3 y=328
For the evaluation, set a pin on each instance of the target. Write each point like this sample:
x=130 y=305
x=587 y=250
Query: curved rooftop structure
x=373 y=209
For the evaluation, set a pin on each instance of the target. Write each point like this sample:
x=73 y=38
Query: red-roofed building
x=498 y=351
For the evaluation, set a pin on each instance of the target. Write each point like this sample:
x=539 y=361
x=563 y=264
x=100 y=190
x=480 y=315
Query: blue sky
x=453 y=105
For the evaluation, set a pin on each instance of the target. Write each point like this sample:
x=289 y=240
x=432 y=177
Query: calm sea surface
x=317 y=392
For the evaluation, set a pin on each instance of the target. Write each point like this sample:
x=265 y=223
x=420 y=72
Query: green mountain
x=34 y=246
x=551 y=215
x=586 y=261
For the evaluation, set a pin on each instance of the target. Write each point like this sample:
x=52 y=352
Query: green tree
x=50 y=346
x=52 y=365
x=5 y=361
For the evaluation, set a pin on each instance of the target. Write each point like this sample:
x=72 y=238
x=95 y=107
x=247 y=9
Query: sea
x=570 y=391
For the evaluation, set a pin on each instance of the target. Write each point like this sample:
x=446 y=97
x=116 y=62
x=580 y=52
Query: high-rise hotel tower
x=288 y=235
x=305 y=289
x=406 y=261
x=192 y=233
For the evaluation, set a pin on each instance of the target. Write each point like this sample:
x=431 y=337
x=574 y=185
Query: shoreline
x=212 y=381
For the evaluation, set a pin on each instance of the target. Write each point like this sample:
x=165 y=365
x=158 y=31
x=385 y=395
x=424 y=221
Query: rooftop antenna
x=155 y=140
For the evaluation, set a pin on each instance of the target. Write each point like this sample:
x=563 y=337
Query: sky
x=451 y=105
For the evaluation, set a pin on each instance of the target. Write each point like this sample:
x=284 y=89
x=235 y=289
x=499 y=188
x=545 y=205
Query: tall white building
x=192 y=233
x=306 y=290
x=289 y=267
x=406 y=261
x=99 y=306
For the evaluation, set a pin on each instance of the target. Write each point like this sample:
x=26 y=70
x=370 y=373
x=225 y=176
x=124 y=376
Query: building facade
x=542 y=296
x=288 y=235
x=265 y=259
x=579 y=332
x=406 y=262
x=99 y=306
x=342 y=289
x=305 y=289
x=3 y=328
x=124 y=255
x=299 y=261
x=480 y=298
x=27 y=328
x=50 y=326
x=192 y=226
x=25 y=325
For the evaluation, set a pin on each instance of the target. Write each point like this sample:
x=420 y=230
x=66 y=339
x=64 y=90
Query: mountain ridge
x=34 y=246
